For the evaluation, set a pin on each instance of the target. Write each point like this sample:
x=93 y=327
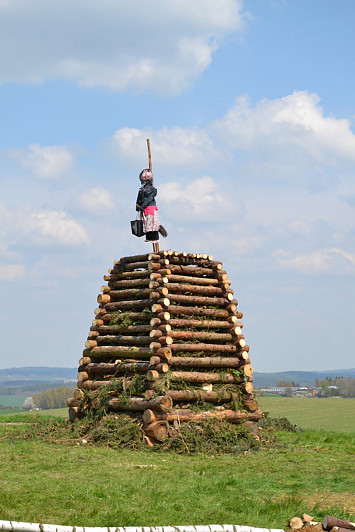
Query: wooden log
x=194 y=335
x=155 y=333
x=116 y=275
x=84 y=360
x=132 y=316
x=115 y=329
x=200 y=300
x=154 y=360
x=198 y=395
x=202 y=324
x=196 y=311
x=157 y=430
x=149 y=416
x=163 y=316
x=105 y=289
x=218 y=348
x=78 y=394
x=122 y=368
x=103 y=298
x=181 y=288
x=129 y=283
x=135 y=265
x=159 y=404
x=206 y=362
x=194 y=376
x=192 y=271
x=121 y=350
x=134 y=258
x=74 y=412
x=229 y=415
x=130 y=293
x=93 y=335
x=96 y=323
x=72 y=402
x=121 y=305
x=330 y=522
x=251 y=404
x=122 y=340
x=82 y=376
x=205 y=281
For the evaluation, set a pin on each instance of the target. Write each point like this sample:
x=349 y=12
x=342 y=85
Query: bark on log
x=329 y=522
x=206 y=362
x=74 y=412
x=129 y=283
x=200 y=300
x=121 y=305
x=72 y=402
x=157 y=430
x=114 y=329
x=194 y=376
x=134 y=258
x=203 y=324
x=116 y=275
x=198 y=395
x=134 y=265
x=122 y=350
x=196 y=311
x=194 y=335
x=133 y=316
x=122 y=340
x=179 y=288
x=130 y=293
x=159 y=404
x=208 y=281
x=229 y=415
x=192 y=271
x=218 y=348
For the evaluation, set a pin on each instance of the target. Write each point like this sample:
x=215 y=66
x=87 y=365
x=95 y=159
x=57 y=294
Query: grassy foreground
x=311 y=471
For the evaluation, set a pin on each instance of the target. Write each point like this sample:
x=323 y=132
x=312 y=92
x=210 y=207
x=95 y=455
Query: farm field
x=12 y=400
x=331 y=413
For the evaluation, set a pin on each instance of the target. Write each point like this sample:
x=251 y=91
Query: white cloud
x=54 y=227
x=200 y=198
x=286 y=138
x=285 y=128
x=172 y=147
x=330 y=259
x=46 y=162
x=96 y=200
x=156 y=45
x=11 y=272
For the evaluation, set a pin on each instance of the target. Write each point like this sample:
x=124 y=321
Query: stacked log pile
x=168 y=343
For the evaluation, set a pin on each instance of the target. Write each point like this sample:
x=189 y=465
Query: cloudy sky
x=250 y=110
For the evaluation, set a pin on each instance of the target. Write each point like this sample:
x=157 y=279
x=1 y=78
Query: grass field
x=11 y=400
x=331 y=413
x=310 y=471
x=82 y=485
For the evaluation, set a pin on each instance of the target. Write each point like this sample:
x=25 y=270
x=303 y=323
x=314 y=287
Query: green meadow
x=65 y=481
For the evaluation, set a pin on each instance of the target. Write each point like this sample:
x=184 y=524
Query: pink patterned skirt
x=150 y=219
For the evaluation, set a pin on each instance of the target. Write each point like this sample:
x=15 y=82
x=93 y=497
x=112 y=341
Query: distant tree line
x=337 y=387
x=53 y=398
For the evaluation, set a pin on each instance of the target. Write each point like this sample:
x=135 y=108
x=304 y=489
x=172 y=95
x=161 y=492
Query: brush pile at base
x=166 y=345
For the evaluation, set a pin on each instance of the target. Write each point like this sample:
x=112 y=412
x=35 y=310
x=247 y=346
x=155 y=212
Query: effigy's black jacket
x=146 y=197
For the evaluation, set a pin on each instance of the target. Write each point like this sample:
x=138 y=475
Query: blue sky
x=250 y=110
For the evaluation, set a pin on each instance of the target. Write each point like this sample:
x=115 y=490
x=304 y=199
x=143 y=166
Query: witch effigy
x=147 y=208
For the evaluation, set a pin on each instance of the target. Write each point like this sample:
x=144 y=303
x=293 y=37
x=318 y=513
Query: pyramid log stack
x=167 y=344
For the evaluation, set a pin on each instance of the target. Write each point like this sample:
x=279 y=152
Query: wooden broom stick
x=149 y=154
